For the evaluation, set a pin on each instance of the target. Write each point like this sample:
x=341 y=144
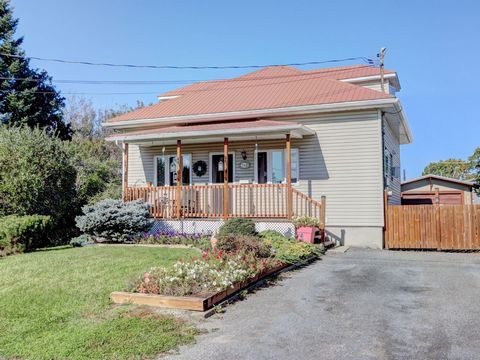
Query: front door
x=218 y=163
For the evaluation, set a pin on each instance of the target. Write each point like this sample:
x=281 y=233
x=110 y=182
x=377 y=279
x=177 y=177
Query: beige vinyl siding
x=138 y=174
x=342 y=161
x=391 y=143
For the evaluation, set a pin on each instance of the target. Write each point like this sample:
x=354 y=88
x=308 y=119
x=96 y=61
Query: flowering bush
x=213 y=272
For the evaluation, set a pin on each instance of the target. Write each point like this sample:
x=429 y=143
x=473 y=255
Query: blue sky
x=433 y=45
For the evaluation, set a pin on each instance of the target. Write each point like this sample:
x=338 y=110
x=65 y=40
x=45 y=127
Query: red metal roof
x=205 y=127
x=267 y=88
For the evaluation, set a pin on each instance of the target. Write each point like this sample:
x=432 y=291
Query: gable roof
x=442 y=178
x=272 y=72
x=267 y=88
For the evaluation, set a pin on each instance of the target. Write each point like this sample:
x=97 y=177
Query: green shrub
x=114 y=220
x=97 y=162
x=237 y=226
x=289 y=250
x=306 y=221
x=244 y=243
x=272 y=234
x=19 y=233
x=36 y=176
x=81 y=240
x=204 y=244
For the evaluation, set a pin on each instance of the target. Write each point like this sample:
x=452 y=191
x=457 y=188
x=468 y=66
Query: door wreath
x=200 y=168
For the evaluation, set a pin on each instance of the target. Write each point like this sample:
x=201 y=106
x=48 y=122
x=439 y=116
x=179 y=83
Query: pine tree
x=33 y=102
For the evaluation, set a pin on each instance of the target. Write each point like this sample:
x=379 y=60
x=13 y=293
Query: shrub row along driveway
x=362 y=304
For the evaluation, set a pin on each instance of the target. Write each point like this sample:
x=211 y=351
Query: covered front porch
x=254 y=178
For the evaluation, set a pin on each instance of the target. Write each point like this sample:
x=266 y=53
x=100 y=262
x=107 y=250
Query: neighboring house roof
x=442 y=178
x=268 y=88
x=220 y=130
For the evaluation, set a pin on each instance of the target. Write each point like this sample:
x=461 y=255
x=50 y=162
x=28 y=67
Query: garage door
x=428 y=198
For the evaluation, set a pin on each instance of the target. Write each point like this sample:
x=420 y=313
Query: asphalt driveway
x=362 y=304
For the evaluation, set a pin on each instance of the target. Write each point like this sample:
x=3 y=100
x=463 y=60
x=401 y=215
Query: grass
x=55 y=305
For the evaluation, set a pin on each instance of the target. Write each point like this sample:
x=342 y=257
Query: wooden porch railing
x=304 y=205
x=258 y=200
x=244 y=200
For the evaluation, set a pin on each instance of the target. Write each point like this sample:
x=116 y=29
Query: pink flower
x=146 y=278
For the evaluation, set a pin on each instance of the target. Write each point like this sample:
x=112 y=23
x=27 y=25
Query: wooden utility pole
x=225 y=178
x=125 y=171
x=289 y=176
x=179 y=179
x=381 y=56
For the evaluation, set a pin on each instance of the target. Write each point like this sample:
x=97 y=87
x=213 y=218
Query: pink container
x=306 y=234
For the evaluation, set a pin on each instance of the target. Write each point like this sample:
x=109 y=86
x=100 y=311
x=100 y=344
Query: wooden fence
x=441 y=227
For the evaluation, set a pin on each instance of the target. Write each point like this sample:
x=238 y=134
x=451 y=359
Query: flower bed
x=195 y=303
x=239 y=260
x=171 y=237
x=214 y=272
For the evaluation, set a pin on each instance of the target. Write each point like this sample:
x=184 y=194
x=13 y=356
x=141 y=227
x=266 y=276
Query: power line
x=216 y=67
x=326 y=92
x=88 y=93
x=189 y=81
x=305 y=76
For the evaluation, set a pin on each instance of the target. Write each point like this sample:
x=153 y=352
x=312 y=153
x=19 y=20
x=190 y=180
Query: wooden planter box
x=188 y=302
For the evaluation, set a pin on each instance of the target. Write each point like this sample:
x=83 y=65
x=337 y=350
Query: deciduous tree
x=452 y=168
x=36 y=176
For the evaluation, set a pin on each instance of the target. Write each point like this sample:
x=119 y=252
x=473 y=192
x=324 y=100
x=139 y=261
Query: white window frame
x=387 y=163
x=210 y=167
x=270 y=168
x=167 y=173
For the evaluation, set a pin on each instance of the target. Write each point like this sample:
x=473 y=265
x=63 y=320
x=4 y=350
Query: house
x=232 y=141
x=425 y=189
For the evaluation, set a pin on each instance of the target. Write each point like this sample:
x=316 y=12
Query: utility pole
x=381 y=56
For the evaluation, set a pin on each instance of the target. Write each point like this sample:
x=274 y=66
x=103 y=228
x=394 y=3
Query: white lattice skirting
x=194 y=226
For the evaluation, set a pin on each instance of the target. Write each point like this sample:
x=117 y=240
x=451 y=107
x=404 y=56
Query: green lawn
x=55 y=305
